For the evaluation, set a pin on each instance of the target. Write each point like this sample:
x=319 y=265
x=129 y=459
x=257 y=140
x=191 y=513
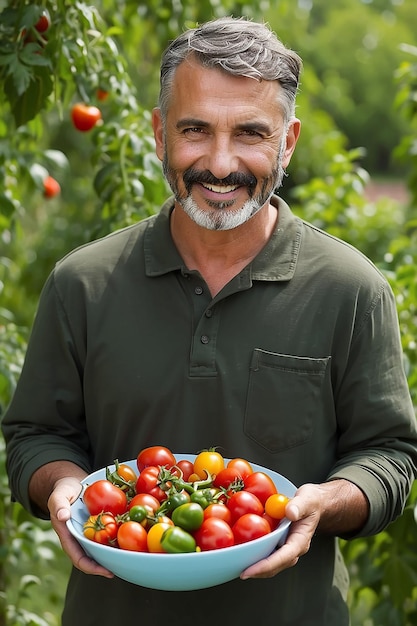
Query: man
x=224 y=320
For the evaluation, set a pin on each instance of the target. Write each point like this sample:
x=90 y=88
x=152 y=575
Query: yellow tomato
x=275 y=505
x=154 y=536
x=208 y=461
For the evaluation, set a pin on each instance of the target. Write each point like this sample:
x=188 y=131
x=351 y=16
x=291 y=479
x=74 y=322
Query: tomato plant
x=214 y=533
x=104 y=496
x=132 y=536
x=261 y=485
x=156 y=456
x=101 y=528
x=51 y=187
x=250 y=526
x=208 y=462
x=85 y=117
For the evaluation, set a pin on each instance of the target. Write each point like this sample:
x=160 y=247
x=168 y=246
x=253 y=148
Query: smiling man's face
x=224 y=145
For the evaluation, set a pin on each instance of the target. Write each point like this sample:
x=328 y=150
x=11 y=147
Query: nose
x=222 y=159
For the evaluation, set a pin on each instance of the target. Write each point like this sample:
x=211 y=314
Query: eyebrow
x=257 y=127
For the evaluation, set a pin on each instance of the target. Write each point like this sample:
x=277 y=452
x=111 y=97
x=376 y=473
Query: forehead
x=202 y=92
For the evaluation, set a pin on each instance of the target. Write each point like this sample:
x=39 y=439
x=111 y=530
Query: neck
x=221 y=255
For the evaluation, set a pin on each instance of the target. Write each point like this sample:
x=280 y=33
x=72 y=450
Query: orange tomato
x=154 y=536
x=208 y=461
x=275 y=505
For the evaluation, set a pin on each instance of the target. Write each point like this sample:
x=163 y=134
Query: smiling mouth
x=220 y=188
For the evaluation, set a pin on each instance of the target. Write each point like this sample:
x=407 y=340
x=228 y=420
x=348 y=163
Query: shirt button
x=204 y=339
x=198 y=291
x=209 y=313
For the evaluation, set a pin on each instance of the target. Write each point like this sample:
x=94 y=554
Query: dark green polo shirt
x=296 y=365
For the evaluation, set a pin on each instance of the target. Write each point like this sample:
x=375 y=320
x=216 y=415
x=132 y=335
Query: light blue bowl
x=180 y=572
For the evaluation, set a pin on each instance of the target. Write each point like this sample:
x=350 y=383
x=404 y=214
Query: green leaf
x=26 y=106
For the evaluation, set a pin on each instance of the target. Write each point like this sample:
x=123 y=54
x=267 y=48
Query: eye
x=193 y=130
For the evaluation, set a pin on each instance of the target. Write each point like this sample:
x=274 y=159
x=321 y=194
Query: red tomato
x=250 y=526
x=155 y=455
x=221 y=511
x=146 y=500
x=43 y=22
x=102 y=94
x=148 y=482
x=242 y=466
x=214 y=533
x=261 y=485
x=208 y=461
x=85 y=117
x=226 y=477
x=187 y=468
x=104 y=496
x=132 y=536
x=274 y=523
x=243 y=502
x=101 y=528
x=51 y=187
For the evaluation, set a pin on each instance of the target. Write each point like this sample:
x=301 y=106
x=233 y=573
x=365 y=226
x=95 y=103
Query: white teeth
x=220 y=188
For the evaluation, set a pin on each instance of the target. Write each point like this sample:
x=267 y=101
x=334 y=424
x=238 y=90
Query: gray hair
x=239 y=47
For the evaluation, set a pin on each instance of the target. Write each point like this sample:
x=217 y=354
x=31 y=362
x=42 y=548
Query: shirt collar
x=276 y=261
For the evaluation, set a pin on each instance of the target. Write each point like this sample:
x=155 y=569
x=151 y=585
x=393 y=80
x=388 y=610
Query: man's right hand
x=65 y=492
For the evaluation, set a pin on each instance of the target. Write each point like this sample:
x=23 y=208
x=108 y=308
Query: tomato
x=147 y=500
x=102 y=94
x=214 y=533
x=174 y=500
x=203 y=497
x=208 y=461
x=189 y=516
x=261 y=485
x=186 y=467
x=242 y=466
x=51 y=187
x=275 y=505
x=177 y=540
x=148 y=482
x=126 y=472
x=139 y=513
x=43 y=22
x=227 y=477
x=101 y=528
x=155 y=535
x=250 y=526
x=221 y=511
x=85 y=117
x=155 y=455
x=132 y=536
x=273 y=523
x=243 y=502
x=104 y=496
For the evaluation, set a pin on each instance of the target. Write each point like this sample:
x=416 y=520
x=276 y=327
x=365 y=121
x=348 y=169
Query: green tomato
x=138 y=513
x=175 y=500
x=175 y=540
x=188 y=516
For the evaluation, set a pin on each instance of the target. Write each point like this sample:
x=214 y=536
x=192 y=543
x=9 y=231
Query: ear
x=293 y=133
x=158 y=131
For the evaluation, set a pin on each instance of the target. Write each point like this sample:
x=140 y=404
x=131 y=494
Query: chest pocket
x=285 y=396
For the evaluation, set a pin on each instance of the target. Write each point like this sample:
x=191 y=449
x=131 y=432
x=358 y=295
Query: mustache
x=192 y=176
